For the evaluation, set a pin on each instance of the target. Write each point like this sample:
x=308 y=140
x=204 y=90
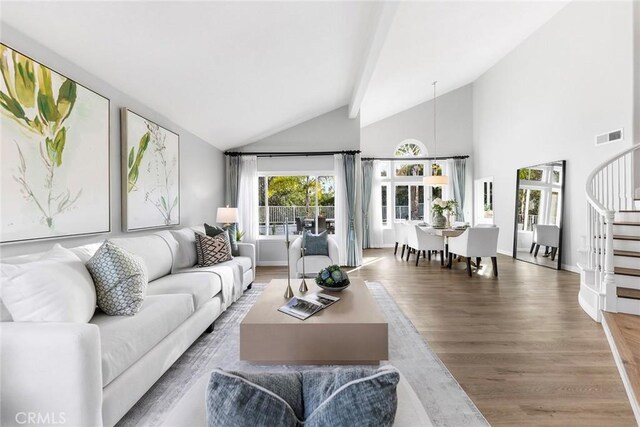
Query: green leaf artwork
x=28 y=99
x=152 y=174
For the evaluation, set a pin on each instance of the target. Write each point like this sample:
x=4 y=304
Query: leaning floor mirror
x=539 y=206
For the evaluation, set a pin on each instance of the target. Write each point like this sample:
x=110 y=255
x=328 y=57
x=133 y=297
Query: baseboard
x=272 y=263
x=571 y=268
x=635 y=406
x=503 y=252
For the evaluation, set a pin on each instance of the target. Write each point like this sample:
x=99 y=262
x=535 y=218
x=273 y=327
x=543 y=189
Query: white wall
x=454 y=127
x=547 y=99
x=333 y=131
x=454 y=120
x=201 y=165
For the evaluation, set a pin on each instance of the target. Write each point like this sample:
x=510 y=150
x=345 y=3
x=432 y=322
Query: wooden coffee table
x=351 y=331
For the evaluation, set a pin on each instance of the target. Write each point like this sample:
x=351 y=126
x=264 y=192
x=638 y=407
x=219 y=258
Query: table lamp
x=227 y=216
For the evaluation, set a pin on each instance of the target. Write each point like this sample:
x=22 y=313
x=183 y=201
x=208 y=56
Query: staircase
x=610 y=265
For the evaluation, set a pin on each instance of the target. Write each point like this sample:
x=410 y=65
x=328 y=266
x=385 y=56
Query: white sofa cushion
x=202 y=286
x=55 y=288
x=125 y=339
x=153 y=249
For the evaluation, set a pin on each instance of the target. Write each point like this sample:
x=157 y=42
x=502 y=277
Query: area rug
x=442 y=397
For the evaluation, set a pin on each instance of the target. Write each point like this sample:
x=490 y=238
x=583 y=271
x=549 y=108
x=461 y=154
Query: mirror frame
x=515 y=217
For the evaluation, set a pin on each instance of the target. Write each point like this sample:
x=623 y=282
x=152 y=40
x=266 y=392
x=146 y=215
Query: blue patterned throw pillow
x=316 y=244
x=120 y=278
x=339 y=397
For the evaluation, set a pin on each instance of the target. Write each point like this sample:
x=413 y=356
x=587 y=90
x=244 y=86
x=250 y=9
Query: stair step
x=629 y=210
x=628 y=293
x=632 y=254
x=627 y=271
x=632 y=223
x=625 y=237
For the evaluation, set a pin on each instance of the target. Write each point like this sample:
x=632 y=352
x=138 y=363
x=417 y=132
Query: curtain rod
x=408 y=159
x=290 y=153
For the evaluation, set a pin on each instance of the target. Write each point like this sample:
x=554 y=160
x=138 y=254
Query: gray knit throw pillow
x=120 y=278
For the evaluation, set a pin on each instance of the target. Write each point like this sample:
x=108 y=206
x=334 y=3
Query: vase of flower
x=439 y=207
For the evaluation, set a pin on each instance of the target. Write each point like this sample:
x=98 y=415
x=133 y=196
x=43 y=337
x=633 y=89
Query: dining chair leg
x=408 y=252
x=442 y=258
x=478 y=259
x=403 y=248
x=494 y=261
x=554 y=251
x=450 y=260
x=533 y=245
x=417 y=257
x=429 y=255
x=535 y=253
x=468 y=259
x=395 y=251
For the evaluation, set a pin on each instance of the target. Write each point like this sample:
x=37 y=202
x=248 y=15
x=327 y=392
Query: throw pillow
x=340 y=397
x=55 y=288
x=316 y=244
x=120 y=278
x=212 y=250
x=243 y=399
x=352 y=396
x=212 y=230
x=186 y=256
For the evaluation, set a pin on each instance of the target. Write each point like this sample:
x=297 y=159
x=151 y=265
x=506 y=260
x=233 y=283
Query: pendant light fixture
x=435 y=180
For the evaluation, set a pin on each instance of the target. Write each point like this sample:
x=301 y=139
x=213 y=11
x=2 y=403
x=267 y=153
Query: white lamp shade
x=436 y=180
x=227 y=215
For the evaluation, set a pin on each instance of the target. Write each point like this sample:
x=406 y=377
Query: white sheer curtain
x=341 y=212
x=375 y=208
x=248 y=197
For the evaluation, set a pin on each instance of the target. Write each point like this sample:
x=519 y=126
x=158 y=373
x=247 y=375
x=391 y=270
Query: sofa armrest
x=248 y=250
x=334 y=251
x=51 y=373
x=294 y=256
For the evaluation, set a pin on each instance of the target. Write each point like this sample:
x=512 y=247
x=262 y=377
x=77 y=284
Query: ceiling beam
x=381 y=29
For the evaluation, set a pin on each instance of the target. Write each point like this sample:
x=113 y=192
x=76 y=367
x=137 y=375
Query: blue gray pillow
x=316 y=244
x=338 y=397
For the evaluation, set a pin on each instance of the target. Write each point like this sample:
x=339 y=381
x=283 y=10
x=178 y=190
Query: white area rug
x=442 y=397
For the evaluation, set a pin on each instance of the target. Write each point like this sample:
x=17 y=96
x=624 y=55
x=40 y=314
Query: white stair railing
x=609 y=189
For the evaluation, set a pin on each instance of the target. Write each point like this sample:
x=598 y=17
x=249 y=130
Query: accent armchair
x=476 y=242
x=313 y=263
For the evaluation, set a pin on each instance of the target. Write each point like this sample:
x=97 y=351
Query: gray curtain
x=367 y=182
x=349 y=164
x=232 y=166
x=458 y=180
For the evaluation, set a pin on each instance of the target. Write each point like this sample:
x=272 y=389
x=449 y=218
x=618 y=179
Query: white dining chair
x=476 y=242
x=400 y=231
x=545 y=235
x=423 y=242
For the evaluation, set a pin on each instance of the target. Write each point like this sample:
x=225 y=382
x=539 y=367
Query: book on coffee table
x=304 y=307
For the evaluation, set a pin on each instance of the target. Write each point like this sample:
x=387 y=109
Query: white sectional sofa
x=91 y=374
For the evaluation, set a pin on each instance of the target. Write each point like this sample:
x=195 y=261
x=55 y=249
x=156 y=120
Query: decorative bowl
x=332 y=279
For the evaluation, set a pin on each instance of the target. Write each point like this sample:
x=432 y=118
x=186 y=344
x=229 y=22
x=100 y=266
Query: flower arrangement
x=332 y=278
x=439 y=206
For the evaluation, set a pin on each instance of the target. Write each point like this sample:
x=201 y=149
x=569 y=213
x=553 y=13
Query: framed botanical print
x=150 y=174
x=54 y=146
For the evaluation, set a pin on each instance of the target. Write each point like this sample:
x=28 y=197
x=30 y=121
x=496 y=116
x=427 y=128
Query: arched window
x=410 y=148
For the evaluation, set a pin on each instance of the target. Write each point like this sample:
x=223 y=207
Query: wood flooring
x=518 y=344
x=625 y=331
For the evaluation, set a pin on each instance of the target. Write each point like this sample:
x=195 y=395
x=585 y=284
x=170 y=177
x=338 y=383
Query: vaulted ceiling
x=233 y=72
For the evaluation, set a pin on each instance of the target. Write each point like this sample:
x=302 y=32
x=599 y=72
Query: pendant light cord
x=435 y=141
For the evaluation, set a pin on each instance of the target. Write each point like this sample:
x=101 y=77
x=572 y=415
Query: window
x=410 y=148
x=385 y=204
x=484 y=200
x=306 y=202
x=409 y=202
